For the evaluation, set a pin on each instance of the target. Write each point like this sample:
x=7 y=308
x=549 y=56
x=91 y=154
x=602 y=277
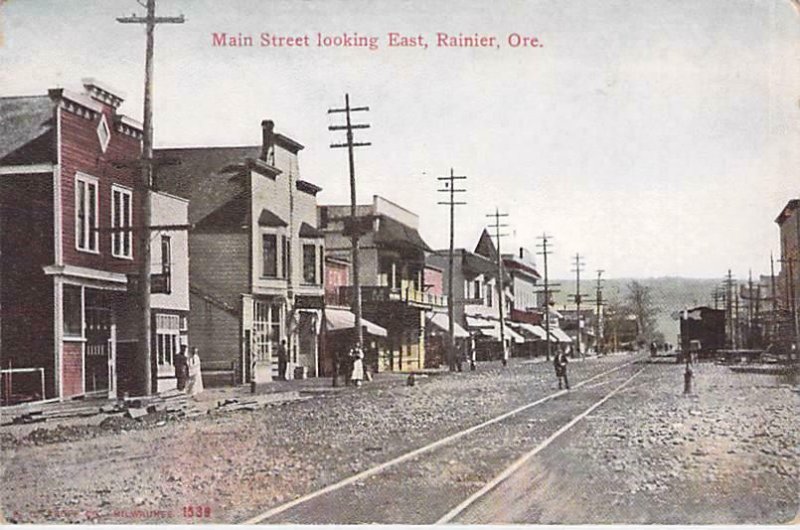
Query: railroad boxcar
x=705 y=326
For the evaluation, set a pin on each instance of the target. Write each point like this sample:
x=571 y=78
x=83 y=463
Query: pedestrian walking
x=195 y=383
x=357 y=360
x=181 y=368
x=283 y=359
x=560 y=364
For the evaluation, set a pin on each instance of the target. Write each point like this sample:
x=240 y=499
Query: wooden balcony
x=381 y=294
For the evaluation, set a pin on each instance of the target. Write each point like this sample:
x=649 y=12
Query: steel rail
x=510 y=470
x=416 y=452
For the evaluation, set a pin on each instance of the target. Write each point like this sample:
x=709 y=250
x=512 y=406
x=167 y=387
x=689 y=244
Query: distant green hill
x=669 y=295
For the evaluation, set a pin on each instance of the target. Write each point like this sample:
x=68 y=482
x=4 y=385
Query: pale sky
x=657 y=138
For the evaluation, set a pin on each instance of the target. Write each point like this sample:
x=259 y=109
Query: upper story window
x=166 y=262
x=286 y=261
x=310 y=263
x=269 y=256
x=321 y=265
x=86 y=213
x=121 y=207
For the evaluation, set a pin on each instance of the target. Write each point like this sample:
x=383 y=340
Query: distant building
x=257 y=258
x=339 y=334
x=392 y=276
x=788 y=281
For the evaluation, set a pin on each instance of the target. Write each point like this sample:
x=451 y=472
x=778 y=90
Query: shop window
x=266 y=329
x=73 y=311
x=167 y=338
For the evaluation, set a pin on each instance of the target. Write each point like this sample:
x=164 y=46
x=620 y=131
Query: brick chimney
x=268 y=141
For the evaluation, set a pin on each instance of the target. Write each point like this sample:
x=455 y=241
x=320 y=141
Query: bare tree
x=640 y=303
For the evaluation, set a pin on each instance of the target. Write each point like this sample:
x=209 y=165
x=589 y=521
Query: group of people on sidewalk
x=187 y=371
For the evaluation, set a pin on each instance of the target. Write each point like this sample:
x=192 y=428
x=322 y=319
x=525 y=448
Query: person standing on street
x=357 y=358
x=560 y=364
x=283 y=359
x=195 y=384
x=181 y=368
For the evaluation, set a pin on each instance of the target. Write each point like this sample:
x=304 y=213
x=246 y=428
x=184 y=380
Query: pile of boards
x=172 y=402
x=257 y=401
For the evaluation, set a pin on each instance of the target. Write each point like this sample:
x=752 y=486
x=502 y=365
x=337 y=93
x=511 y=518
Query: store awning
x=494 y=332
x=339 y=319
x=537 y=332
x=477 y=323
x=559 y=335
x=441 y=321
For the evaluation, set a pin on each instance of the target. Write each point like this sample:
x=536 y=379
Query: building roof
x=26 y=130
x=269 y=218
x=475 y=264
x=304 y=185
x=395 y=233
x=790 y=207
x=233 y=215
x=485 y=246
x=188 y=177
x=306 y=230
x=511 y=263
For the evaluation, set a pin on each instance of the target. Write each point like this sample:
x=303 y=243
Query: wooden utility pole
x=729 y=309
x=577 y=297
x=598 y=319
x=450 y=189
x=355 y=227
x=750 y=307
x=145 y=354
x=546 y=250
x=774 y=295
x=500 y=291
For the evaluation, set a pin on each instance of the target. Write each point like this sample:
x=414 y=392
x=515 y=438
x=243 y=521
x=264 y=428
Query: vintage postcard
x=399 y=262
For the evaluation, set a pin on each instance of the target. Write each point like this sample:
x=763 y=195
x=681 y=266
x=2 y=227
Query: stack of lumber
x=56 y=411
x=257 y=401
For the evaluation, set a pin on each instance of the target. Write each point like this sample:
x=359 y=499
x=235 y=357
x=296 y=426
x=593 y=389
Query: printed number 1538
x=197 y=511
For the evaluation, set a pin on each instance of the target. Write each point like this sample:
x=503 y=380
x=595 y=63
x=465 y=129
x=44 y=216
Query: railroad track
x=351 y=500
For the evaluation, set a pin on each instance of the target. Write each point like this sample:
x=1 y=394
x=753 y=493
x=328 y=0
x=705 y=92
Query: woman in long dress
x=195 y=383
x=357 y=374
